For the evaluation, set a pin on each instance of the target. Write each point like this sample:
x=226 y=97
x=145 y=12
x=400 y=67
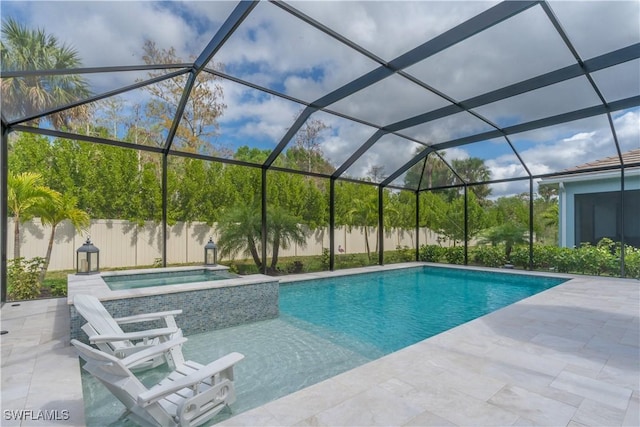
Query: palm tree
x=52 y=214
x=508 y=233
x=23 y=49
x=26 y=194
x=240 y=231
x=472 y=170
x=282 y=230
x=364 y=214
x=428 y=173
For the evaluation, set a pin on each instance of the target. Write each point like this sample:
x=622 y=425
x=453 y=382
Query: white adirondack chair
x=189 y=396
x=105 y=333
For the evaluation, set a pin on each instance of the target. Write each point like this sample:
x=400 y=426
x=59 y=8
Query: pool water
x=145 y=280
x=329 y=326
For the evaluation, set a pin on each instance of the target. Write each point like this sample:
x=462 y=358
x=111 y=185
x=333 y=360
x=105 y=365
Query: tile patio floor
x=568 y=356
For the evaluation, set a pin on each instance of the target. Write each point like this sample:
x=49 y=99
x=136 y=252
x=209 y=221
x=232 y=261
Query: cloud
x=391 y=28
x=596 y=27
x=274 y=49
x=388 y=154
x=627 y=125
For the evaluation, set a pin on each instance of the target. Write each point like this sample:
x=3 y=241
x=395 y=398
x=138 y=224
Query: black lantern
x=210 y=253
x=88 y=258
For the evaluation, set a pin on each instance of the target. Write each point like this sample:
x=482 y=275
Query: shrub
x=520 y=256
x=23 y=278
x=431 y=253
x=490 y=256
x=454 y=255
x=402 y=254
x=564 y=260
x=295 y=267
x=57 y=287
x=326 y=258
x=233 y=268
x=544 y=256
x=632 y=262
x=589 y=259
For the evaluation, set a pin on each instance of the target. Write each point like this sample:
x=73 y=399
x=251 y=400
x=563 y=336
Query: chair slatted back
x=99 y=318
x=122 y=383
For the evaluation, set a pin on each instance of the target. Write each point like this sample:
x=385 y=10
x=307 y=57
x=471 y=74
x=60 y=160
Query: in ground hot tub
x=118 y=282
x=209 y=297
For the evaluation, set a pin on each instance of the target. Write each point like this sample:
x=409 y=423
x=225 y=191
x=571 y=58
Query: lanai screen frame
x=482 y=21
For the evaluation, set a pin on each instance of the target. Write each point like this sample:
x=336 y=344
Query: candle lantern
x=88 y=258
x=210 y=253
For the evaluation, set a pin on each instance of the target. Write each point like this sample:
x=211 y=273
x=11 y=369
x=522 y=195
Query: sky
x=273 y=49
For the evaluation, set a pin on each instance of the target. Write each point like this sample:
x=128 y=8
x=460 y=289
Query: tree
x=307 y=144
x=473 y=170
x=23 y=49
x=514 y=209
x=198 y=124
x=357 y=207
x=283 y=229
x=61 y=207
x=29 y=152
x=376 y=173
x=508 y=233
x=548 y=192
x=26 y=195
x=240 y=232
x=430 y=173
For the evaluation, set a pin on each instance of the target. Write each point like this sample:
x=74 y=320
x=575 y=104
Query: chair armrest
x=152 y=351
x=151 y=333
x=146 y=317
x=158 y=392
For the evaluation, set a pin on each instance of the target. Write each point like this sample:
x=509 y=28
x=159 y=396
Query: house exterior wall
x=567 y=198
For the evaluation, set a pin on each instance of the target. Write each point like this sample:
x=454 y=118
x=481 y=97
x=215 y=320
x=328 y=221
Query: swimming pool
x=145 y=280
x=329 y=326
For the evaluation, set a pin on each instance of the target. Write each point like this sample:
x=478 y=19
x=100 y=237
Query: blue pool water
x=329 y=326
x=162 y=278
x=398 y=308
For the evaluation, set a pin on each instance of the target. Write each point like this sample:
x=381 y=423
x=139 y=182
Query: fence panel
x=125 y=244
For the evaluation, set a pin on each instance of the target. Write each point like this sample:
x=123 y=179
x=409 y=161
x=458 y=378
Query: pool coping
x=40 y=371
x=93 y=284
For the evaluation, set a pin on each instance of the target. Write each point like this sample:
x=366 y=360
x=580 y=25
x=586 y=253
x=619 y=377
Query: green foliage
x=509 y=234
x=233 y=268
x=25 y=49
x=326 y=258
x=405 y=253
x=22 y=278
x=490 y=256
x=632 y=262
x=454 y=255
x=602 y=259
x=295 y=267
x=443 y=212
x=519 y=256
x=597 y=260
x=431 y=253
x=544 y=256
x=57 y=287
x=353 y=260
x=564 y=260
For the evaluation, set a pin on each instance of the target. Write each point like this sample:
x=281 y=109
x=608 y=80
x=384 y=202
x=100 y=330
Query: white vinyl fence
x=125 y=244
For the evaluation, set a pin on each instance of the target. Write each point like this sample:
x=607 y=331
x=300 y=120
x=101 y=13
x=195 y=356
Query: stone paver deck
x=40 y=371
x=567 y=356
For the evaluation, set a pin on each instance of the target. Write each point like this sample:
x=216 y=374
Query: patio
x=567 y=356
